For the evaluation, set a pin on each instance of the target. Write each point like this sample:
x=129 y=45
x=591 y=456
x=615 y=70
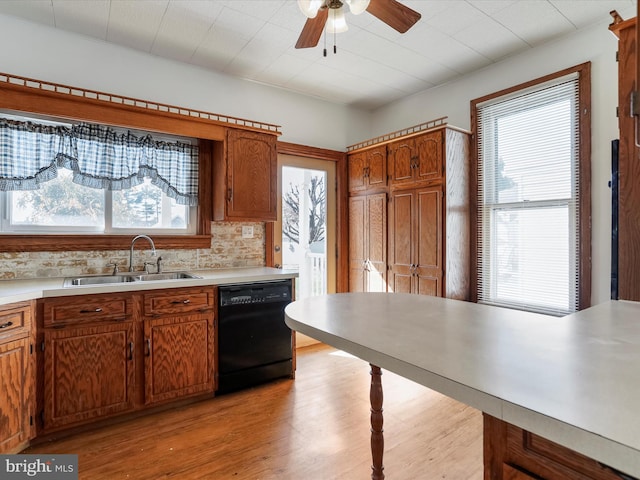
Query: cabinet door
x=178 y=357
x=401 y=161
x=510 y=473
x=376 y=228
x=357 y=243
x=429 y=155
x=428 y=246
x=376 y=173
x=401 y=241
x=251 y=176
x=16 y=401
x=88 y=373
x=357 y=163
x=628 y=171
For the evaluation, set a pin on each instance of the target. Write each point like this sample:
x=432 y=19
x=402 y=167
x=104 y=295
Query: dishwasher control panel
x=253 y=293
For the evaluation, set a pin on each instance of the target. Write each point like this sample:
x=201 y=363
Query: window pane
x=531 y=259
x=146 y=206
x=59 y=203
x=535 y=153
x=304 y=227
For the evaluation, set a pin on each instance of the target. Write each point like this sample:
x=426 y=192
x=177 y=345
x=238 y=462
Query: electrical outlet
x=247 y=231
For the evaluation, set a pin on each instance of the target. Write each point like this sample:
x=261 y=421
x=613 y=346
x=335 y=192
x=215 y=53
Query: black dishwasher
x=254 y=343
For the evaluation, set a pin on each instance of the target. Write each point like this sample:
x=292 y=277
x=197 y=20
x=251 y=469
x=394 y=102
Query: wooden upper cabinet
x=368 y=169
x=245 y=179
x=401 y=159
x=416 y=159
x=429 y=155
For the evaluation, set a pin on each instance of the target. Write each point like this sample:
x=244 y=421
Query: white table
x=573 y=380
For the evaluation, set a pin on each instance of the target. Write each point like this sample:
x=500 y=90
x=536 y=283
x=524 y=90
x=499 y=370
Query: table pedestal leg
x=377 y=437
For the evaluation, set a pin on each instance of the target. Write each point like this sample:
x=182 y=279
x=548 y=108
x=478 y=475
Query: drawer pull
x=148 y=353
x=97 y=310
x=183 y=302
x=130 y=350
x=5 y=325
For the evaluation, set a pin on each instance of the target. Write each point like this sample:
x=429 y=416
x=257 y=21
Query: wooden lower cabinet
x=415 y=241
x=105 y=355
x=88 y=373
x=15 y=411
x=178 y=358
x=17 y=377
x=368 y=243
x=511 y=453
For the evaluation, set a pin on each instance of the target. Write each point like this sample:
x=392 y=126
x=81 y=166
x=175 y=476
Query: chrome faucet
x=146 y=237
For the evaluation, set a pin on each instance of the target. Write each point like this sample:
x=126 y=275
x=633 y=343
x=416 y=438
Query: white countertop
x=20 y=290
x=573 y=380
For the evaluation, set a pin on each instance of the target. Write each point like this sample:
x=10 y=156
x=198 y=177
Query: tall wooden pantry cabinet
x=628 y=165
x=426 y=219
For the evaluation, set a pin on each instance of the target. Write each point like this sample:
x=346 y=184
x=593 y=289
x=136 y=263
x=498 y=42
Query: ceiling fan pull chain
x=324 y=52
x=335 y=49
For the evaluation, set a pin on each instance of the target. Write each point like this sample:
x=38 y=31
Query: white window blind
x=528 y=198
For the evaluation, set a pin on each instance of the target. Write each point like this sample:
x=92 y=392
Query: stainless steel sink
x=125 y=278
x=166 y=276
x=97 y=280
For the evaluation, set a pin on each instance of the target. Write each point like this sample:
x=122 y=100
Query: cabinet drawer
x=15 y=320
x=175 y=301
x=87 y=309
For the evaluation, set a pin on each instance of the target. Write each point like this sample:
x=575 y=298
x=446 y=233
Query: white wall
x=595 y=44
x=44 y=53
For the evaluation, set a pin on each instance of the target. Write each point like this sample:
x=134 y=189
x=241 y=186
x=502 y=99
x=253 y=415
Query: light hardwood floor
x=315 y=427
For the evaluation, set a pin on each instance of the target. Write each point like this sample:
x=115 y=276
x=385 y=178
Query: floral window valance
x=99 y=156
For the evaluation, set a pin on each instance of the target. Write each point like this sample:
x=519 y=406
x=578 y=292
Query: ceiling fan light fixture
x=357 y=6
x=336 y=23
x=310 y=7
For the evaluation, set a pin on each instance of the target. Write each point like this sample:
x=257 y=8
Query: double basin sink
x=126 y=278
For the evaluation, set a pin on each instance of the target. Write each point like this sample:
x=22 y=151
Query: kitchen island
x=571 y=380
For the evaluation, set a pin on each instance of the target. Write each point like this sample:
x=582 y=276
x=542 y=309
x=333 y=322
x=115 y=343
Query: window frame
x=584 y=165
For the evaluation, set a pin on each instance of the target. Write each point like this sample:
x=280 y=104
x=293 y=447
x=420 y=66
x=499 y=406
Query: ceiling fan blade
x=394 y=14
x=312 y=30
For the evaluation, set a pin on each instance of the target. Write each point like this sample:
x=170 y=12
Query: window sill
x=62 y=243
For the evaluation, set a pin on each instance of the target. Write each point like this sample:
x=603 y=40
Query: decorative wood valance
x=405 y=132
x=62 y=101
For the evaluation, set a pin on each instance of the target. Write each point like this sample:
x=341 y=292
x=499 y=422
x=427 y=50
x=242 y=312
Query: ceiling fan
x=391 y=12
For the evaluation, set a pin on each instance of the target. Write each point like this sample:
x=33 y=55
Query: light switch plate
x=247 y=231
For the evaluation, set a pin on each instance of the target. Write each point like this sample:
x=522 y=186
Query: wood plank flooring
x=315 y=427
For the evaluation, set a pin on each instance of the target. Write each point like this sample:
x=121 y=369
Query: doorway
x=305 y=232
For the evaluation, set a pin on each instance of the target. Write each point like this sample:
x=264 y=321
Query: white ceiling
x=375 y=65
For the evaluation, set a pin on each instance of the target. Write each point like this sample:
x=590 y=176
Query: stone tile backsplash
x=228 y=250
